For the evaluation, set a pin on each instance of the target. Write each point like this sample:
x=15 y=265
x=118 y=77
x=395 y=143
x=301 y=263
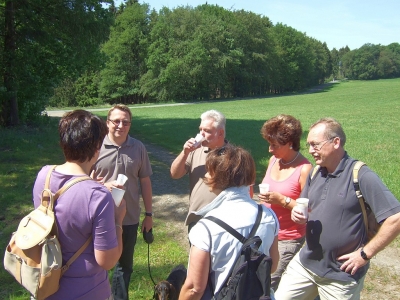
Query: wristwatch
x=287 y=201
x=363 y=254
x=148 y=214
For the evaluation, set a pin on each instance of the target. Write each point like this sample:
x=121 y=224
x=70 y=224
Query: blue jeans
x=124 y=267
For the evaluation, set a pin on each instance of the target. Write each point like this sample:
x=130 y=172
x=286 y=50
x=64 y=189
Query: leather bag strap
x=75 y=256
x=47 y=182
x=356 y=168
x=68 y=185
x=53 y=199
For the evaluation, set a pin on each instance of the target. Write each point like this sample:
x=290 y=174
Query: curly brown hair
x=283 y=129
x=230 y=166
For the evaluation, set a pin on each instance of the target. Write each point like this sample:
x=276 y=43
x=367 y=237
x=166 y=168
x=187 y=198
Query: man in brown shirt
x=192 y=160
x=123 y=154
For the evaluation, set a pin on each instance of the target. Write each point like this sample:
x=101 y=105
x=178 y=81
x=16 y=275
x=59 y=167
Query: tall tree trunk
x=10 y=104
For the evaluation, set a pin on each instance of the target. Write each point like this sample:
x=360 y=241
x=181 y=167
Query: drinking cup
x=117 y=195
x=121 y=179
x=302 y=205
x=199 y=138
x=264 y=188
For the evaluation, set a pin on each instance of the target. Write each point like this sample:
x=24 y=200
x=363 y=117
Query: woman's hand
x=272 y=198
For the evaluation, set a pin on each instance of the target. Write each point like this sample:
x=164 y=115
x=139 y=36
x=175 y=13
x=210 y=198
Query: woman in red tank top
x=286 y=175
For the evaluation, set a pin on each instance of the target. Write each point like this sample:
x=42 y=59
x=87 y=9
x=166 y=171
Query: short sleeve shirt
x=239 y=211
x=131 y=159
x=200 y=194
x=335 y=224
x=85 y=209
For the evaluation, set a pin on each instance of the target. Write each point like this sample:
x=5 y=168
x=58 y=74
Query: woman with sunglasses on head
x=230 y=170
x=286 y=175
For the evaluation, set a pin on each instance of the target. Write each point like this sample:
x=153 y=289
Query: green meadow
x=368 y=111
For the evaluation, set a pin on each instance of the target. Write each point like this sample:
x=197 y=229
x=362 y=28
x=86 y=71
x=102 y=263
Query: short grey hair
x=218 y=117
x=333 y=129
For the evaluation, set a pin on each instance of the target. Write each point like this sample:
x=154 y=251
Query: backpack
x=370 y=223
x=250 y=275
x=33 y=255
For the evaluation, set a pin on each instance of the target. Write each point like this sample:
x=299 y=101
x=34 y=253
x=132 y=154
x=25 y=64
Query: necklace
x=288 y=163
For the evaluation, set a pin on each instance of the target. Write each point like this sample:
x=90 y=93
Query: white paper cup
x=117 y=194
x=302 y=205
x=199 y=138
x=264 y=188
x=121 y=179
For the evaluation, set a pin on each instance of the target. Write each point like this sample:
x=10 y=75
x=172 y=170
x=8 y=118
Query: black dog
x=169 y=289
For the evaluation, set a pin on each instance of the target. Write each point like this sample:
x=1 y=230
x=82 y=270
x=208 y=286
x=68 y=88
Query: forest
x=79 y=53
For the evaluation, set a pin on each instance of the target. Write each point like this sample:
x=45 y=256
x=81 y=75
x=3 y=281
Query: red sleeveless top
x=289 y=187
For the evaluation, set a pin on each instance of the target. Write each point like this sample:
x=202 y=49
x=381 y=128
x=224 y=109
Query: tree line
x=82 y=53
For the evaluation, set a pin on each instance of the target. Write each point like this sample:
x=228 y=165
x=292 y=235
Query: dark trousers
x=124 y=267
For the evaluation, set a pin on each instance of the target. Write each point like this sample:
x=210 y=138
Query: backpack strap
x=356 y=168
x=237 y=235
x=68 y=185
x=75 y=256
x=47 y=182
x=314 y=171
x=232 y=231
x=62 y=190
x=53 y=199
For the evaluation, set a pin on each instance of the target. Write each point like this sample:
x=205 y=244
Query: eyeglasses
x=117 y=122
x=318 y=146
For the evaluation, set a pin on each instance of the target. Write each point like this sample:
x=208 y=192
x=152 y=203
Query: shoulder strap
x=356 y=168
x=62 y=190
x=47 y=182
x=75 y=256
x=232 y=231
x=68 y=185
x=237 y=235
x=314 y=171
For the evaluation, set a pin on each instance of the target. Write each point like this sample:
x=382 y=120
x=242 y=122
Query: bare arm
x=197 y=278
x=178 y=165
x=108 y=258
x=274 y=253
x=278 y=198
x=389 y=230
x=305 y=170
x=147 y=195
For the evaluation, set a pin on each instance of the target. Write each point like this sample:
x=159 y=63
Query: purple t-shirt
x=86 y=209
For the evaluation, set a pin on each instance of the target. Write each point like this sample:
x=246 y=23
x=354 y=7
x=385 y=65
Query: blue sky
x=338 y=23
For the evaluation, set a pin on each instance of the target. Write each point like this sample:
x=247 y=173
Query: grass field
x=368 y=112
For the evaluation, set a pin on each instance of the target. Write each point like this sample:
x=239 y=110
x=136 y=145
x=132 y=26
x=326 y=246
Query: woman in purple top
x=86 y=209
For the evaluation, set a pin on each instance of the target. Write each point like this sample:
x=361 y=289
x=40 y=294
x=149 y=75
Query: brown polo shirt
x=131 y=159
x=200 y=195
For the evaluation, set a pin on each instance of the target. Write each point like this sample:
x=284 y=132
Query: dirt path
x=170 y=202
x=170 y=196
